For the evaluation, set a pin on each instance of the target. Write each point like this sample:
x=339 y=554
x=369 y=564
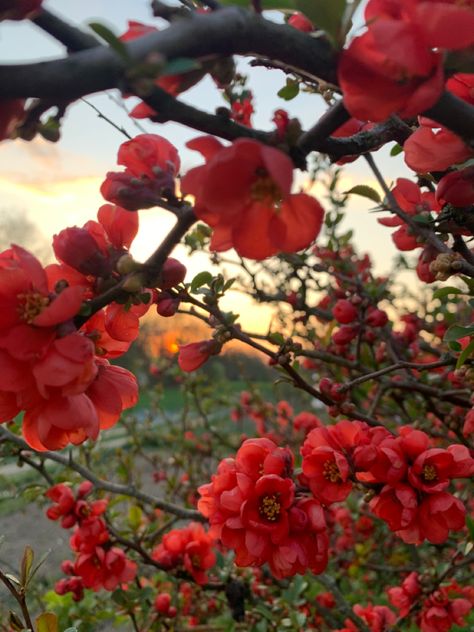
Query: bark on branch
x=225 y=32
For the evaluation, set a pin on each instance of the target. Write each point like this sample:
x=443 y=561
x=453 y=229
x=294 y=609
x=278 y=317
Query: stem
x=108 y=486
x=20 y=598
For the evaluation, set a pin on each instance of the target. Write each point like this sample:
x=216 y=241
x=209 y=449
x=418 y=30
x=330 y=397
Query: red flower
x=191 y=547
x=12 y=113
x=413 y=202
x=19 y=9
x=68 y=366
x=149 y=155
x=431 y=471
x=105 y=569
x=328 y=472
x=195 y=354
x=429 y=150
x=243 y=193
x=53 y=423
x=389 y=70
x=113 y=390
x=437 y=515
x=402 y=597
x=151 y=164
x=30 y=313
x=300 y=22
x=396 y=505
x=89 y=534
x=241 y=111
x=120 y=225
x=457 y=188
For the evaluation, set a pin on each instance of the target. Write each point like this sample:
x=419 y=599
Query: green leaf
x=112 y=40
x=465 y=354
x=203 y=278
x=26 y=564
x=47 y=622
x=134 y=517
x=396 y=149
x=470 y=527
x=455 y=332
x=266 y=5
x=444 y=291
x=15 y=623
x=365 y=191
x=326 y=15
x=179 y=66
x=290 y=90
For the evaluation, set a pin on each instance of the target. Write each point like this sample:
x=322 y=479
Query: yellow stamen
x=269 y=507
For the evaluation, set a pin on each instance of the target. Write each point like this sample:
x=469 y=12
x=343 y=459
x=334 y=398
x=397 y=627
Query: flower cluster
x=97 y=564
x=440 y=610
x=396 y=66
x=253 y=508
x=413 y=500
x=59 y=374
x=273 y=420
x=190 y=548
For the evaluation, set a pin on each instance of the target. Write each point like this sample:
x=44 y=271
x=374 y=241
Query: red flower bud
x=162 y=603
x=300 y=22
x=172 y=274
x=77 y=248
x=345 y=335
x=376 y=317
x=344 y=311
x=194 y=355
x=166 y=305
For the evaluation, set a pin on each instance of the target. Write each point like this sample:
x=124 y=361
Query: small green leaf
x=465 y=354
x=134 y=517
x=470 y=527
x=290 y=90
x=47 y=622
x=326 y=15
x=365 y=191
x=112 y=40
x=455 y=332
x=203 y=278
x=396 y=150
x=445 y=291
x=276 y=338
x=15 y=623
x=26 y=564
x=179 y=66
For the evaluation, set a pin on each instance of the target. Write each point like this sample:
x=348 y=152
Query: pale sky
x=57 y=185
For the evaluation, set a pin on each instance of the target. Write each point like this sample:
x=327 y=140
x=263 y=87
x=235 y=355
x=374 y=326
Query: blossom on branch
x=244 y=193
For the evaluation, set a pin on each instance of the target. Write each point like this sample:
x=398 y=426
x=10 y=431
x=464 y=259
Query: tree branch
x=225 y=32
x=108 y=486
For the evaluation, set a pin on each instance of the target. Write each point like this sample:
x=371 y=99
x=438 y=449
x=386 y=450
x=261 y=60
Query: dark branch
x=225 y=32
x=73 y=38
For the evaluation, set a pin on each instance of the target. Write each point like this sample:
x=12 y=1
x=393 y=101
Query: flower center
x=331 y=472
x=31 y=305
x=269 y=507
x=265 y=189
x=429 y=473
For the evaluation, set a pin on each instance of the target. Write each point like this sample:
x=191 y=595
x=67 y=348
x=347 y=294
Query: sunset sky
x=57 y=185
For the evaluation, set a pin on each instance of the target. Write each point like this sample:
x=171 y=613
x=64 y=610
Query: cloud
x=40 y=164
